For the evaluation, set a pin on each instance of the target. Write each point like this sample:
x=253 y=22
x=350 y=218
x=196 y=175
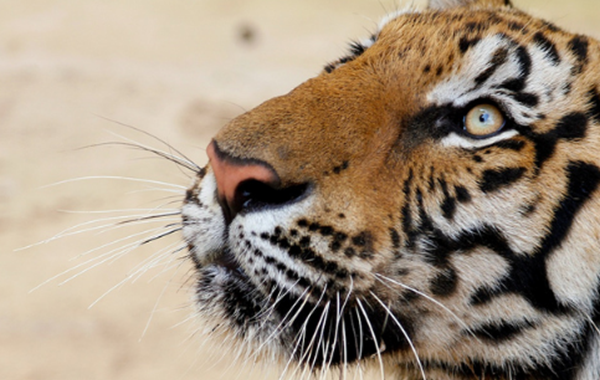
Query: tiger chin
x=428 y=205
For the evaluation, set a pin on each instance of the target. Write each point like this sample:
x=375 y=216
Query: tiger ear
x=447 y=4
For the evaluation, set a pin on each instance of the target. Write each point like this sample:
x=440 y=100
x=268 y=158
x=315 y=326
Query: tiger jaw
x=249 y=281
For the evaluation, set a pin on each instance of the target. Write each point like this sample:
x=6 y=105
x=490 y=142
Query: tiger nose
x=240 y=181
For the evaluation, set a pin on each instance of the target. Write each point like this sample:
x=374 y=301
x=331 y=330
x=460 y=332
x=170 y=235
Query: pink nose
x=230 y=172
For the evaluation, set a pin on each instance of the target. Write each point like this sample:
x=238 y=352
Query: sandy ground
x=70 y=72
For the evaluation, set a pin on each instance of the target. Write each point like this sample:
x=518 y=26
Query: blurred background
x=74 y=74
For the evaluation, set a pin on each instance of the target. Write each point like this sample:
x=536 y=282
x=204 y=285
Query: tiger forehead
x=431 y=35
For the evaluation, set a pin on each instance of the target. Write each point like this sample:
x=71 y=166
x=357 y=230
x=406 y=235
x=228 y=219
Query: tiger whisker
x=141 y=221
x=370 y=326
x=266 y=312
x=156 y=260
x=316 y=331
x=115 y=211
x=117 y=241
x=321 y=345
x=160 y=236
x=327 y=363
x=343 y=372
x=591 y=321
x=344 y=369
x=178 y=261
x=403 y=330
x=300 y=336
x=358 y=338
x=175 y=194
x=133 y=276
x=456 y=317
x=156 y=138
x=149 y=217
x=318 y=334
x=339 y=317
x=168 y=156
x=283 y=324
x=110 y=177
x=105 y=257
x=142 y=242
x=155 y=307
x=71 y=231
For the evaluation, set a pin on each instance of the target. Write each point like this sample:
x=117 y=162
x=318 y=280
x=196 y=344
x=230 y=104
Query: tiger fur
x=360 y=219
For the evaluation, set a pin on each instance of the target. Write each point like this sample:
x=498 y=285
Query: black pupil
x=484 y=118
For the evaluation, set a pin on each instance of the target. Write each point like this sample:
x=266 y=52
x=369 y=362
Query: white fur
x=454 y=139
x=206 y=225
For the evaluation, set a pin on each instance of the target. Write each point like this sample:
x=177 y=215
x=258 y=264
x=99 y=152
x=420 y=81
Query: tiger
x=427 y=206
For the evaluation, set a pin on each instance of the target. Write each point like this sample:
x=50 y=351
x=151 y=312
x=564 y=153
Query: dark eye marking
x=516 y=145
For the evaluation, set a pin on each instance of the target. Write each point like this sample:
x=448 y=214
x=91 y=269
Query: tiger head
x=427 y=203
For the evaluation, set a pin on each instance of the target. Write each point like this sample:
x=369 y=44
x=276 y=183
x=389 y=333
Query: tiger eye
x=483 y=120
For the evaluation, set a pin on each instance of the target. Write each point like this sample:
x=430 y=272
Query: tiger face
x=428 y=203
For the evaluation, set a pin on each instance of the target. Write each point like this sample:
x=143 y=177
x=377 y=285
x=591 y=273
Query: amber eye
x=483 y=120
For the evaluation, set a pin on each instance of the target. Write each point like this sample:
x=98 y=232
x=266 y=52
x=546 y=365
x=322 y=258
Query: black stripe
x=495 y=179
x=431 y=180
x=545 y=145
x=445 y=283
x=406 y=211
x=528 y=275
x=449 y=203
x=499 y=58
x=466 y=43
x=475 y=27
x=572 y=126
x=548 y=47
x=524 y=60
x=500 y=331
x=462 y=194
x=395 y=238
x=583 y=180
x=514 y=85
x=526 y=98
x=516 y=26
x=579 y=47
x=594 y=105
